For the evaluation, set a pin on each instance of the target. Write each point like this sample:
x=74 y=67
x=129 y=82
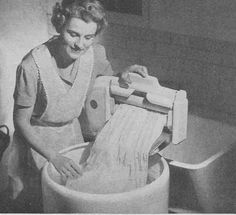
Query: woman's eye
x=72 y=34
x=89 y=37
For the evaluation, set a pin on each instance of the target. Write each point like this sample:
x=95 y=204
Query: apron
x=58 y=126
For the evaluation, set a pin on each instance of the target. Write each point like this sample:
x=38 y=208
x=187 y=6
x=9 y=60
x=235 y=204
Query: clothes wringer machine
x=142 y=92
x=100 y=107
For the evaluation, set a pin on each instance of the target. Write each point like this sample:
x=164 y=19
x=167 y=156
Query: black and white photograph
x=117 y=106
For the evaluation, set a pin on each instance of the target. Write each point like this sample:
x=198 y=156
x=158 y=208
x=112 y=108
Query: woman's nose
x=79 y=43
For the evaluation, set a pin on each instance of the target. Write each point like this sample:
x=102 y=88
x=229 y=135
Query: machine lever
x=162 y=141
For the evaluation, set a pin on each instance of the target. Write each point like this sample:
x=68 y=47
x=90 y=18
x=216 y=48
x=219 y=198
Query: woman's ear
x=58 y=21
x=61 y=23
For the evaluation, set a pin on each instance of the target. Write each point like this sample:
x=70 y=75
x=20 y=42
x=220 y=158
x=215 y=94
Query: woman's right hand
x=66 y=167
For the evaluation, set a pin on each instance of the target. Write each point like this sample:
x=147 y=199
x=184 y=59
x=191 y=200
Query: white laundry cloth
x=118 y=161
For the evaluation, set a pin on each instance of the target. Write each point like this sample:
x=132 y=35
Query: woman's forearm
x=23 y=126
x=63 y=165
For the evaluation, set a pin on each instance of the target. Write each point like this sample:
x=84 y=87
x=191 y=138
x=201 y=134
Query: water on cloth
x=118 y=160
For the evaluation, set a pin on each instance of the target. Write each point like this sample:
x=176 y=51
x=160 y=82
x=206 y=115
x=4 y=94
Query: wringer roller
x=146 y=93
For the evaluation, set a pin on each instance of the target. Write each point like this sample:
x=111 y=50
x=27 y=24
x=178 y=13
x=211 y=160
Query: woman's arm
x=103 y=66
x=65 y=166
x=21 y=117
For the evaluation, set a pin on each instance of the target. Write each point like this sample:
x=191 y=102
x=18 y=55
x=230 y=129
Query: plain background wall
x=203 y=18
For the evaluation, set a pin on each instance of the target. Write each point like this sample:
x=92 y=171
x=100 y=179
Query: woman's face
x=77 y=37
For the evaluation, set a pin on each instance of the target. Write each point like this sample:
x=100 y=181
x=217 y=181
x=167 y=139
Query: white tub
x=203 y=168
x=152 y=198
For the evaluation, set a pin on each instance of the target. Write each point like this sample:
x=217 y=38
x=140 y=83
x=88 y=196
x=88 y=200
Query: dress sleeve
x=26 y=85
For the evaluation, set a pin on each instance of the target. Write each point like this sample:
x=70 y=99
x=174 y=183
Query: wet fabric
x=118 y=161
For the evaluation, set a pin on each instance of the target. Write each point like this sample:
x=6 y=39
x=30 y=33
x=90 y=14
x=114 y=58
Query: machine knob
x=93 y=104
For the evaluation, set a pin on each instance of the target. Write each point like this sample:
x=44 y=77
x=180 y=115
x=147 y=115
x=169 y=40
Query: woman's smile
x=77 y=50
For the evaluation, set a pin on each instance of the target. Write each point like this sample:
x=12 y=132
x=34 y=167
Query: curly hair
x=87 y=10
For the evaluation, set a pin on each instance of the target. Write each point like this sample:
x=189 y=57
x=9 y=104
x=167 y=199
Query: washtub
x=203 y=168
x=152 y=198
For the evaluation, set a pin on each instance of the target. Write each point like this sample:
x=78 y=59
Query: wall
x=187 y=44
x=204 y=18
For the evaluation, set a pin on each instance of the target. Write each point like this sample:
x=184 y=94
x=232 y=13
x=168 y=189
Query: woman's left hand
x=141 y=70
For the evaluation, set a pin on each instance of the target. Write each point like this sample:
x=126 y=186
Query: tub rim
x=159 y=182
x=200 y=165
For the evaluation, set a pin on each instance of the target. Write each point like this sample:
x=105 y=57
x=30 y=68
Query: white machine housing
x=142 y=92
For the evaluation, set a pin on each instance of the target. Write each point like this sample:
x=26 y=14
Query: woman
x=52 y=83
